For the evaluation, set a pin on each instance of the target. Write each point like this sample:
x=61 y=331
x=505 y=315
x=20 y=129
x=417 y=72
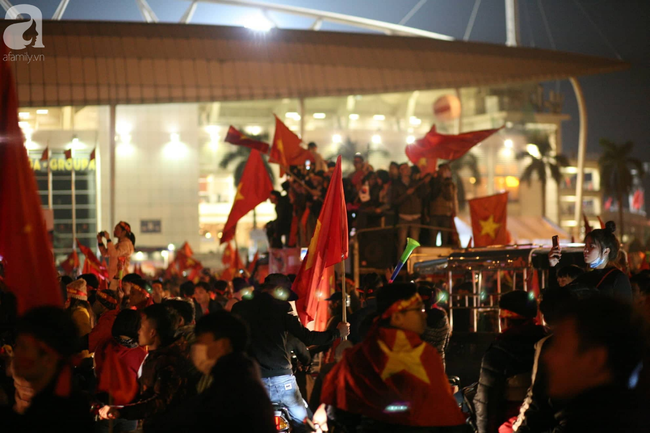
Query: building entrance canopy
x=100 y=63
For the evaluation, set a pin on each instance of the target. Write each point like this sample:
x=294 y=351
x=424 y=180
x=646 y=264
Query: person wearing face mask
x=600 y=253
x=236 y=401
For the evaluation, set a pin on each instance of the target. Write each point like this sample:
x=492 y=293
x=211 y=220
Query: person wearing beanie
x=600 y=254
x=105 y=308
x=241 y=290
x=122 y=250
x=47 y=339
x=77 y=304
x=507 y=364
x=123 y=345
x=388 y=381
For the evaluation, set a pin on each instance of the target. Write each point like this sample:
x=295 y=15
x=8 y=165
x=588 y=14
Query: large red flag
x=254 y=188
x=71 y=262
x=233 y=262
x=418 y=156
x=236 y=137
x=286 y=149
x=24 y=243
x=186 y=249
x=92 y=265
x=449 y=147
x=489 y=219
x=328 y=246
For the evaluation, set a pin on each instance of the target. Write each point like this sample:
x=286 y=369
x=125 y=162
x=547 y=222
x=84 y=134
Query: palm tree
x=349 y=148
x=616 y=172
x=239 y=154
x=541 y=161
x=469 y=161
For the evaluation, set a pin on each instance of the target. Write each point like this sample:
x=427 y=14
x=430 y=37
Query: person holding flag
x=123 y=248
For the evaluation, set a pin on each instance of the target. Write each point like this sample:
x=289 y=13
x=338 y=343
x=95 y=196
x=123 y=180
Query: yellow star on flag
x=489 y=227
x=403 y=357
x=238 y=195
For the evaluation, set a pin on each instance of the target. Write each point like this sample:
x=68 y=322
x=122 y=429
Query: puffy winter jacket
x=505 y=376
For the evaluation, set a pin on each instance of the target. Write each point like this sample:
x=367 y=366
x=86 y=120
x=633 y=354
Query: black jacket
x=236 y=402
x=604 y=409
x=505 y=376
x=270 y=320
x=48 y=412
x=609 y=281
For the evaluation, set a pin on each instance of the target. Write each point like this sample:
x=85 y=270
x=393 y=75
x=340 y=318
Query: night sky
x=618 y=104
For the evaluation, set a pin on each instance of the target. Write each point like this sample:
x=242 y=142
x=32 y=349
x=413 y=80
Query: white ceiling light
x=253 y=129
x=508 y=143
x=410 y=139
x=376 y=139
x=292 y=115
x=415 y=121
x=379 y=117
x=41 y=111
x=23 y=115
x=336 y=138
x=319 y=115
x=354 y=116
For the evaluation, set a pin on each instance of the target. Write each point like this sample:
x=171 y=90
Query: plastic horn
x=411 y=244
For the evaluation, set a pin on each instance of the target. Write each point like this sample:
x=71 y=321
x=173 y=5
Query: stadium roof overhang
x=100 y=63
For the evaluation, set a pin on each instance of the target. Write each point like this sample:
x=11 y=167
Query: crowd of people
x=216 y=355
x=401 y=196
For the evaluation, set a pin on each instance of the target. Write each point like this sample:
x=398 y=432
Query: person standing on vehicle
x=443 y=204
x=600 y=253
x=507 y=365
x=270 y=321
x=122 y=249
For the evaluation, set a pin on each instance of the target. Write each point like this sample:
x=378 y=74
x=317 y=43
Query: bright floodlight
x=410 y=139
x=258 y=23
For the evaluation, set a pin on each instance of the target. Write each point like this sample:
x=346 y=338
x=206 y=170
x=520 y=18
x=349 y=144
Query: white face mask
x=199 y=355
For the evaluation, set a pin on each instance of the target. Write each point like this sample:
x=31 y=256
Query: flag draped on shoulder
x=286 y=149
x=489 y=220
x=328 y=246
x=24 y=243
x=238 y=138
x=393 y=377
x=254 y=188
x=426 y=151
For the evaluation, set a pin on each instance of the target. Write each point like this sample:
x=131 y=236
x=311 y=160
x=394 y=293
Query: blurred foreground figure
x=594 y=364
x=393 y=381
x=46 y=341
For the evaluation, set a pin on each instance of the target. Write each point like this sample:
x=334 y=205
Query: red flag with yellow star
x=238 y=138
x=254 y=188
x=418 y=156
x=489 y=220
x=328 y=246
x=24 y=243
x=286 y=149
x=92 y=265
x=71 y=262
x=393 y=377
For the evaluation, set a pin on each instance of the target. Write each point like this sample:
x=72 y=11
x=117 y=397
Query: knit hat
x=108 y=298
x=518 y=304
x=77 y=290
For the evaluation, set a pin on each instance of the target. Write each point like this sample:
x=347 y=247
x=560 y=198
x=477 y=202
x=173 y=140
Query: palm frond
x=527 y=174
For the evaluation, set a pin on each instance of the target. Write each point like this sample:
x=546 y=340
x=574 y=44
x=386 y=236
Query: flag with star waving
x=393 y=377
x=24 y=243
x=489 y=220
x=254 y=188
